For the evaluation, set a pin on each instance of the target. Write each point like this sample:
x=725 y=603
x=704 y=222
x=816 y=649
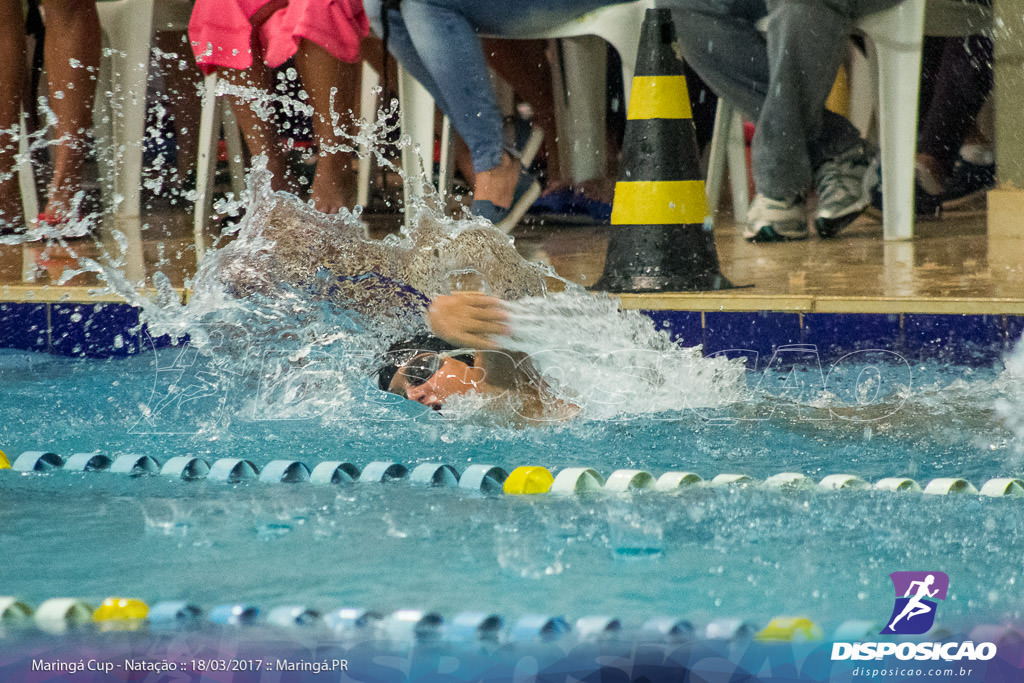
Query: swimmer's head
x=428 y=370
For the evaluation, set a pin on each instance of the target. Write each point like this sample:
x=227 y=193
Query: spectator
x=961 y=83
x=780 y=78
x=71 y=56
x=248 y=37
x=438 y=42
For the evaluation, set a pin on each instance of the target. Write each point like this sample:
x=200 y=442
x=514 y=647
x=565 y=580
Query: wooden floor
x=950 y=267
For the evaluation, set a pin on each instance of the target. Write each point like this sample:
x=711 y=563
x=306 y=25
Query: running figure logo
x=917 y=595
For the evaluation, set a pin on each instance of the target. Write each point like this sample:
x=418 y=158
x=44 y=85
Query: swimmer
x=914 y=606
x=460 y=355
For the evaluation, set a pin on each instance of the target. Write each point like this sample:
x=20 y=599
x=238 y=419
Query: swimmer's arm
x=472 y=320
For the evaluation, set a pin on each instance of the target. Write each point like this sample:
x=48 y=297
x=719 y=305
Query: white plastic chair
x=619 y=25
x=895 y=37
x=216 y=113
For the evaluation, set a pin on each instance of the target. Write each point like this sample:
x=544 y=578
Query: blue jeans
x=438 y=42
x=779 y=78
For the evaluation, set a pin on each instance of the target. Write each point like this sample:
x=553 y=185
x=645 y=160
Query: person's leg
x=806 y=43
x=181 y=78
x=257 y=123
x=438 y=42
x=72 y=57
x=962 y=82
x=12 y=73
x=330 y=84
x=524 y=64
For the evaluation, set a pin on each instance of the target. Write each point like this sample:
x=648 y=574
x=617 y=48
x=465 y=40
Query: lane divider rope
x=523 y=480
x=63 y=615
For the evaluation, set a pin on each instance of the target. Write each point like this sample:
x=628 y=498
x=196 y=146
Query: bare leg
x=260 y=135
x=72 y=57
x=524 y=64
x=182 y=98
x=331 y=85
x=498 y=185
x=12 y=70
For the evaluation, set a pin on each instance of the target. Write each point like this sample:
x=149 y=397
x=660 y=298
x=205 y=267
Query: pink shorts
x=220 y=31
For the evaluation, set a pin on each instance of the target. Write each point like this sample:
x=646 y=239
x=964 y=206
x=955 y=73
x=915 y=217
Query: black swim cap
x=401 y=352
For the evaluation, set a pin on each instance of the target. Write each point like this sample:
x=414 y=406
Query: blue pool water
x=747 y=552
x=265 y=371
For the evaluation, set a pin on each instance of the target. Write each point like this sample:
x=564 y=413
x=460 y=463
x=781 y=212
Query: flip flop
x=526 y=192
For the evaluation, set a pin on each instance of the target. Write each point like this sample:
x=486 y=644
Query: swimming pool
x=879 y=398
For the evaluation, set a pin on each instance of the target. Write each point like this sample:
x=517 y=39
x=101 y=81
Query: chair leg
x=26 y=178
x=206 y=161
x=129 y=28
x=898 y=87
x=897 y=35
x=417 y=121
x=717 y=155
x=368 y=111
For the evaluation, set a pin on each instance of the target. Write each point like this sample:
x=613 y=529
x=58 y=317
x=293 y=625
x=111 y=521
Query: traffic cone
x=661 y=239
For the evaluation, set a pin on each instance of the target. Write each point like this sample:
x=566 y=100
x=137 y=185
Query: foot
x=844 y=184
x=967 y=180
x=776 y=220
x=498 y=185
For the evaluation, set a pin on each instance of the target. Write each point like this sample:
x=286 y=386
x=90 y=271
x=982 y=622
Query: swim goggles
x=421 y=367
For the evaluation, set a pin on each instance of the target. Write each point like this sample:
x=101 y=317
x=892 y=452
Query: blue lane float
x=434 y=474
x=332 y=472
x=532 y=627
x=233 y=470
x=186 y=468
x=413 y=625
x=88 y=462
x=380 y=471
x=135 y=465
x=731 y=629
x=485 y=478
x=293 y=615
x=473 y=626
x=597 y=627
x=175 y=614
x=37 y=461
x=354 y=620
x=673 y=629
x=285 y=472
x=235 y=615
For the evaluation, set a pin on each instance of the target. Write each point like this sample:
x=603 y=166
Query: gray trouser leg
x=780 y=78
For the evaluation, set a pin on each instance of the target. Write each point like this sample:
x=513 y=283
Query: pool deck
x=954 y=279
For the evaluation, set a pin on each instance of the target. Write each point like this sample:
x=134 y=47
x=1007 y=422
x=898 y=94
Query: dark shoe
x=927 y=206
x=844 y=187
x=527 y=190
x=967 y=181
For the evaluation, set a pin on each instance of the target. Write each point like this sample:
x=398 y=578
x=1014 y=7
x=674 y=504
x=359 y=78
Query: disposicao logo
x=917 y=596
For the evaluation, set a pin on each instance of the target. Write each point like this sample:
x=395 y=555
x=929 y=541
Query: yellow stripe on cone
x=659 y=97
x=659 y=202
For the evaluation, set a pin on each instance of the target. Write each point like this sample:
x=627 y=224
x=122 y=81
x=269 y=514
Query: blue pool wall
x=110 y=330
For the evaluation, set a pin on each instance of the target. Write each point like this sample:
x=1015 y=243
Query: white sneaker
x=844 y=184
x=776 y=220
